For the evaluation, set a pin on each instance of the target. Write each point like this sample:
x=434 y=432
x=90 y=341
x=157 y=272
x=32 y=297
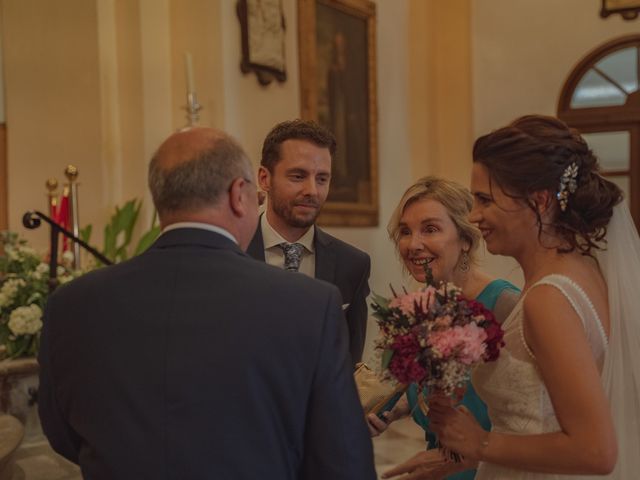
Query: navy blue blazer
x=193 y=361
x=348 y=269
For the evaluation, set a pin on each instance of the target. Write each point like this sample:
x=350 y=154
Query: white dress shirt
x=202 y=226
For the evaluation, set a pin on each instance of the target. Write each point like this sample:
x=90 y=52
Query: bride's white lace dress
x=516 y=397
x=517 y=400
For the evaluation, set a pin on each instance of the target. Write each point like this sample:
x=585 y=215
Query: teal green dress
x=488 y=298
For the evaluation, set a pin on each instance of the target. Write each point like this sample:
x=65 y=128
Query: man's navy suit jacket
x=348 y=269
x=194 y=361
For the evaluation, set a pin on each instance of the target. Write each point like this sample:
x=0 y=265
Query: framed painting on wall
x=338 y=90
x=262 y=29
x=629 y=9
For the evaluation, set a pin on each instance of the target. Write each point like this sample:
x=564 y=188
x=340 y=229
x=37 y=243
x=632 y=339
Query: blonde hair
x=455 y=198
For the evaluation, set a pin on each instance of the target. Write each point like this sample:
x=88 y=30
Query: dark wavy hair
x=530 y=155
x=298 y=130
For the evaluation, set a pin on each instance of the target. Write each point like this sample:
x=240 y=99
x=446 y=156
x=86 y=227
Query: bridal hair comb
x=568 y=185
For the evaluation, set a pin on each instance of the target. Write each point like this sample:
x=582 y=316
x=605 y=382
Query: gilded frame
x=337 y=51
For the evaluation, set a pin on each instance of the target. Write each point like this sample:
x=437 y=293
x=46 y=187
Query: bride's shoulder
x=582 y=288
x=577 y=272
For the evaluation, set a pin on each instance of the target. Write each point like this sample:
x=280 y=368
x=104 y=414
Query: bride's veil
x=620 y=265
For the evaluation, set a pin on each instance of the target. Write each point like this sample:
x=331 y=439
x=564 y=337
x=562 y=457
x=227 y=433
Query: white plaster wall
x=51 y=81
x=522 y=53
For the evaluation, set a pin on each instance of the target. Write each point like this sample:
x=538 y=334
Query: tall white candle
x=188 y=64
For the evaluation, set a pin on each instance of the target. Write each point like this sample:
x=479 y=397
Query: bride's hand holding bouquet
x=434 y=337
x=457 y=429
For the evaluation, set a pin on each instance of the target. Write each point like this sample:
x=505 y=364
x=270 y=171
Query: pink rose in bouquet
x=465 y=342
x=407 y=303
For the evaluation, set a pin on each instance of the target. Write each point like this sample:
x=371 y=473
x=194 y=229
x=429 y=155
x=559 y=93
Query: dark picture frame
x=628 y=9
x=4 y=200
x=262 y=30
x=337 y=49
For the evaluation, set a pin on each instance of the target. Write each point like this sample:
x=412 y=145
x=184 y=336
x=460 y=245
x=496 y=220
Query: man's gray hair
x=200 y=181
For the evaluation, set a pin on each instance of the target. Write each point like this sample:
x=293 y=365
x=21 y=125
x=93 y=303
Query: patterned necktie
x=292 y=256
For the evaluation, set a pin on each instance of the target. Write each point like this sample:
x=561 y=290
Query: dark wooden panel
x=4 y=185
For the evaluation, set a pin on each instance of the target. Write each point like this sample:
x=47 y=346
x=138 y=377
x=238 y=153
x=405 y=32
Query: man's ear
x=238 y=197
x=264 y=178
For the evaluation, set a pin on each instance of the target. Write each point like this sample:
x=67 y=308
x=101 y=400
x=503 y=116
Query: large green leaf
x=387 y=355
x=85 y=233
x=380 y=300
x=19 y=346
x=4 y=333
x=34 y=346
x=147 y=239
x=119 y=230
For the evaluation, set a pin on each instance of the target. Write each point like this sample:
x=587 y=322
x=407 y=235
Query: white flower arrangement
x=24 y=287
x=9 y=290
x=25 y=320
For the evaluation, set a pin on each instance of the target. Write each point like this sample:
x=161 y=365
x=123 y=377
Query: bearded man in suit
x=190 y=361
x=295 y=173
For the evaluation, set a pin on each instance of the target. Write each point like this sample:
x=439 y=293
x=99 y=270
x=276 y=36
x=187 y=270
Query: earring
x=464 y=262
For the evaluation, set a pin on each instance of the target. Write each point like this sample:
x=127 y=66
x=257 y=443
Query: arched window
x=601 y=98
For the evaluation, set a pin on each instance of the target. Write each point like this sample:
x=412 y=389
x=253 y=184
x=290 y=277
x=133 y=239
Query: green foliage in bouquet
x=380 y=306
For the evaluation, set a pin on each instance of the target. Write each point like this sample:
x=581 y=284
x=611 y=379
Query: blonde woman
x=430 y=226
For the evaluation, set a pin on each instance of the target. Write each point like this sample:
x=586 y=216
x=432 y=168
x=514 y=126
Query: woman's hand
x=429 y=465
x=457 y=429
x=377 y=425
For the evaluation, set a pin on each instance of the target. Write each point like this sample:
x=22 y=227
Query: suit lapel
x=256 y=247
x=325 y=257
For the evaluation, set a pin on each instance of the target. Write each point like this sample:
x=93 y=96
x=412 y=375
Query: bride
x=564 y=396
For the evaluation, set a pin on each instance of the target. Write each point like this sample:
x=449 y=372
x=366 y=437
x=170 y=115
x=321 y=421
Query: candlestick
x=192 y=108
x=188 y=65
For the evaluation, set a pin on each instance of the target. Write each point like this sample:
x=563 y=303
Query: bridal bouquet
x=433 y=337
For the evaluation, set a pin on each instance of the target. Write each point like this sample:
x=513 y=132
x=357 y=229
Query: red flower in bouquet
x=494 y=341
x=403 y=365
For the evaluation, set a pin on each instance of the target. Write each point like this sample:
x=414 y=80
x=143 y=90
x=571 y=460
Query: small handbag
x=376 y=396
